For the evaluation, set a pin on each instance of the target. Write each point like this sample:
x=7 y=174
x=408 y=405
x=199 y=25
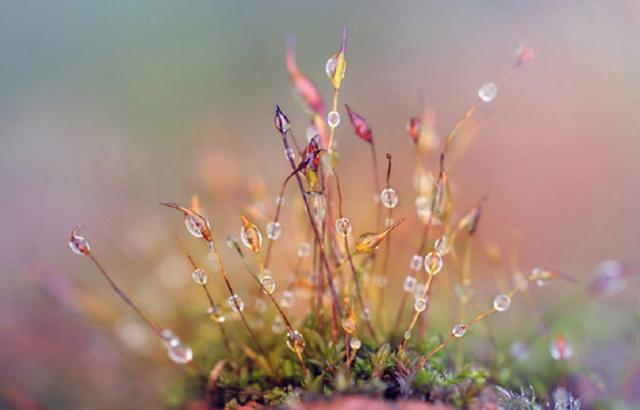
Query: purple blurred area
x=107 y=108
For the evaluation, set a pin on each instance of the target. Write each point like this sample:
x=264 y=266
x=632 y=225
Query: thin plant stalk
x=424 y=359
x=385 y=261
x=212 y=304
x=214 y=251
x=323 y=258
x=365 y=312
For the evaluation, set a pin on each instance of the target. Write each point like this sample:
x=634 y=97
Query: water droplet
x=274 y=230
x=268 y=284
x=488 y=92
x=287 y=299
x=416 y=263
x=295 y=341
x=355 y=343
x=216 y=314
x=419 y=290
x=409 y=283
x=236 y=303
x=407 y=335
x=250 y=236
x=303 y=249
x=433 y=263
x=420 y=304
x=501 y=303
x=193 y=225
x=388 y=222
x=343 y=227
x=330 y=66
x=199 y=276
x=280 y=200
x=389 y=198
x=442 y=245
x=333 y=119
x=180 y=354
x=289 y=154
x=278 y=325
x=459 y=330
x=78 y=244
x=169 y=339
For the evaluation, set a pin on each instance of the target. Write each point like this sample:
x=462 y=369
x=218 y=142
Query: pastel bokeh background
x=107 y=108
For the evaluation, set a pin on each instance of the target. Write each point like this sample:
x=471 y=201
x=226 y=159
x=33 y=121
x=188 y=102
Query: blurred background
x=107 y=108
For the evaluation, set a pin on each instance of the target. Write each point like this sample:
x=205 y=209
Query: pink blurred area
x=110 y=108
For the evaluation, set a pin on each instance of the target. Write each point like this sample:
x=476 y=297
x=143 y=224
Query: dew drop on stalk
x=419 y=290
x=180 y=354
x=343 y=227
x=78 y=244
x=303 y=249
x=268 y=284
x=459 y=330
x=420 y=304
x=442 y=245
x=355 y=343
x=409 y=283
x=433 y=263
x=169 y=339
x=280 y=200
x=216 y=314
x=236 y=303
x=287 y=299
x=389 y=198
x=388 y=222
x=274 y=230
x=193 y=225
x=250 y=236
x=333 y=119
x=295 y=341
x=488 y=92
x=278 y=325
x=331 y=66
x=407 y=335
x=501 y=303
x=199 y=276
x=289 y=153
x=416 y=263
